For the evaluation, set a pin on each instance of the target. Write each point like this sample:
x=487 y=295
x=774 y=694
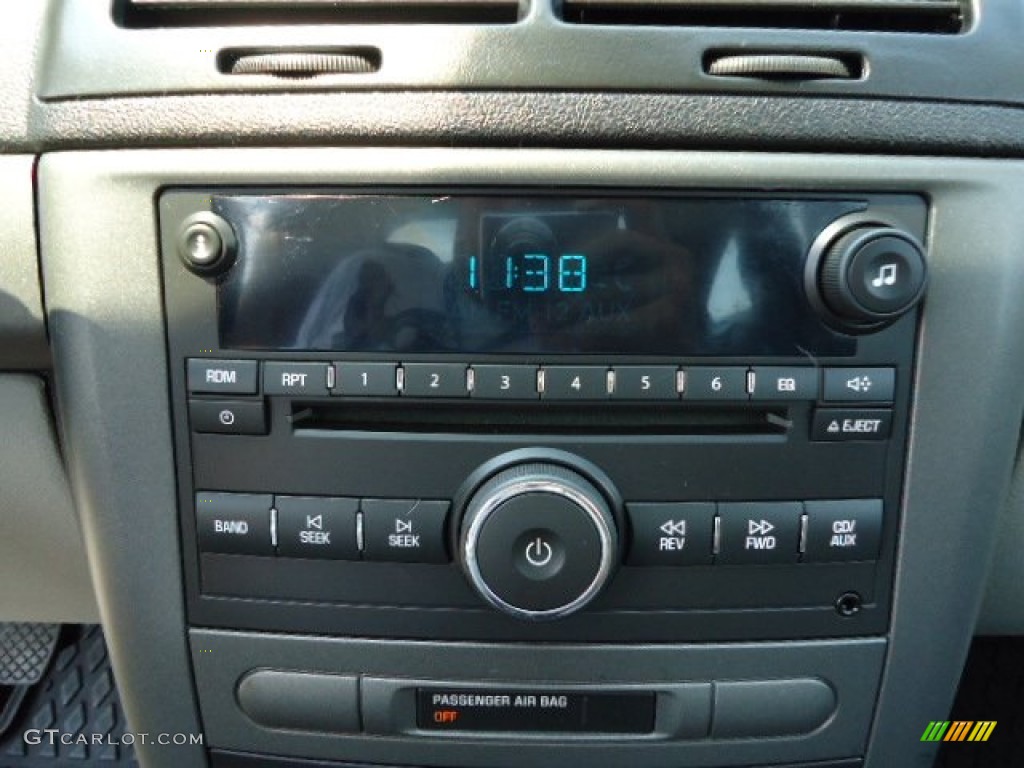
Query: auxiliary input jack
x=848 y=604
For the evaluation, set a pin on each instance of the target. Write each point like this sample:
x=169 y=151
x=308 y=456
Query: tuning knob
x=538 y=541
x=869 y=275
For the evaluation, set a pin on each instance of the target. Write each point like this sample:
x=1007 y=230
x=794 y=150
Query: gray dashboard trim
x=85 y=53
x=23 y=343
x=44 y=575
x=100 y=264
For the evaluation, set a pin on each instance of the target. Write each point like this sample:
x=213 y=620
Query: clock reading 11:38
x=533 y=273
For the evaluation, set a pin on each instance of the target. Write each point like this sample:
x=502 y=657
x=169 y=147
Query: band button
x=234 y=523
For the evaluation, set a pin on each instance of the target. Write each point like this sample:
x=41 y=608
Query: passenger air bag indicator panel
x=525 y=711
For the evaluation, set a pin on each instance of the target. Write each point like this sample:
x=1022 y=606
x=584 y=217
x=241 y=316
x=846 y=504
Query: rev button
x=409 y=531
x=671 y=534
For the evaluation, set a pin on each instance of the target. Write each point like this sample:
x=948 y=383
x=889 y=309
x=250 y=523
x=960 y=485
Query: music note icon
x=886 y=276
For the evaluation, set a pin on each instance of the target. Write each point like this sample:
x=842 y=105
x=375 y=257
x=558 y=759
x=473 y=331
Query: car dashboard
x=476 y=383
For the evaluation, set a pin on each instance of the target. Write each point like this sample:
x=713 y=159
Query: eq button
x=785 y=384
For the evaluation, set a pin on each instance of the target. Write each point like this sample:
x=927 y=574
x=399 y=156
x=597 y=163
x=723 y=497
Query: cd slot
x=547 y=418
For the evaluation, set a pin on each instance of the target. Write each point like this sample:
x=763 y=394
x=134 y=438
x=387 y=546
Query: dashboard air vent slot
x=300 y=64
x=150 y=14
x=913 y=16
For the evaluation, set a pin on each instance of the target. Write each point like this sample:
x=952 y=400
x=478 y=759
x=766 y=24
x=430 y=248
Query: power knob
x=538 y=540
x=867 y=275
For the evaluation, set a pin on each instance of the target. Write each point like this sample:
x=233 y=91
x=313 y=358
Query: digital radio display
x=517 y=274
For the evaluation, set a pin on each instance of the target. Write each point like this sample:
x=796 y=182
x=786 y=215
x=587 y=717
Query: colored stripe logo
x=959 y=730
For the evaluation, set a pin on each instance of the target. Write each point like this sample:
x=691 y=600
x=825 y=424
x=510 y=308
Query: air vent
x=915 y=16
x=148 y=14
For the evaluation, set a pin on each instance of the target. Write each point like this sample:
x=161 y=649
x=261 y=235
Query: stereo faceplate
x=769 y=447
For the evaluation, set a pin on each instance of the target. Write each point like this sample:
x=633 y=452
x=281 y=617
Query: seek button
x=408 y=531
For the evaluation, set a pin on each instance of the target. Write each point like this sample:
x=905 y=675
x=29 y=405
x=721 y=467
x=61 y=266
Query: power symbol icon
x=539 y=553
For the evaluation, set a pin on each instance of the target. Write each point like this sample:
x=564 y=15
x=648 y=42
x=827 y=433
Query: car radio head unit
x=537 y=414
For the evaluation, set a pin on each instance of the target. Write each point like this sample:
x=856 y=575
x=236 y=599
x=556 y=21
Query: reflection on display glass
x=524 y=275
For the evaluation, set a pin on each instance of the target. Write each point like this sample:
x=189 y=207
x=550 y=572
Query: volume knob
x=538 y=541
x=871 y=275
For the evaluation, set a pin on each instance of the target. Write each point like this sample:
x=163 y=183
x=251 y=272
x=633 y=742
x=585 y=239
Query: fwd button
x=759 y=532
